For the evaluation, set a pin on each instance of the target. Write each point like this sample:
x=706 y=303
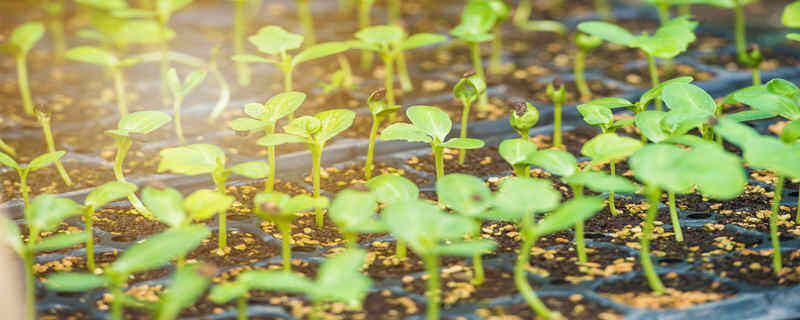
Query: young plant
x=186 y=287
x=45 y=214
x=35 y=164
x=432 y=233
x=99 y=197
x=314 y=132
x=791 y=19
x=670 y=40
x=275 y=41
x=306 y=20
x=264 y=117
x=114 y=65
x=467 y=90
x=705 y=167
x=380 y=109
x=503 y=12
x=163 y=12
x=354 y=211
x=585 y=44
x=19 y=43
x=44 y=121
x=179 y=91
x=477 y=21
x=281 y=209
x=518 y=153
x=154 y=252
x=364 y=10
x=764 y=152
x=240 y=19
x=198 y=159
x=523 y=119
x=740 y=27
x=558 y=96
x=429 y=125
x=390 y=189
x=134 y=127
x=338 y=280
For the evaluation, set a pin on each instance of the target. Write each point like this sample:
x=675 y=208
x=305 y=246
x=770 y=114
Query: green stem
x=7 y=149
x=777 y=264
x=241 y=305
x=663 y=12
x=523 y=12
x=316 y=155
x=222 y=238
x=23 y=184
x=388 y=61
x=651 y=63
x=522 y=170
x=176 y=109
x=496 y=58
x=364 y=8
x=22 y=83
x=116 y=303
x=88 y=217
x=316 y=309
x=612 y=207
x=30 y=284
x=271 y=154
x=286 y=247
x=477 y=63
x=673 y=214
x=438 y=155
x=119 y=85
x=557 y=139
x=350 y=239
x=393 y=8
x=477 y=261
x=603 y=9
x=756 y=76
x=56 y=26
x=462 y=154
x=740 y=29
x=580 y=78
x=44 y=121
x=242 y=69
x=434 y=289
x=520 y=278
x=306 y=21
x=224 y=88
x=653 y=197
x=373 y=132
x=580 y=243
x=402 y=73
x=123 y=145
x=400 y=251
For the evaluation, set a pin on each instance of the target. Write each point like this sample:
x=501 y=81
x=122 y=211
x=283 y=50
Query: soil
x=575 y=306
x=689 y=290
x=755 y=267
x=730 y=61
x=640 y=76
x=334 y=180
x=47 y=180
x=481 y=162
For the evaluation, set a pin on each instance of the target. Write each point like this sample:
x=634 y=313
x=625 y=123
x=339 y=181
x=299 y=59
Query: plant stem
x=477 y=63
x=22 y=83
x=242 y=69
x=402 y=73
x=580 y=78
x=522 y=171
x=176 y=109
x=350 y=239
x=23 y=184
x=88 y=217
x=603 y=9
x=30 y=283
x=653 y=197
x=651 y=63
x=116 y=303
x=520 y=278
x=393 y=12
x=611 y=205
x=306 y=21
x=388 y=61
x=373 y=132
x=740 y=29
x=271 y=154
x=286 y=248
x=496 y=58
x=400 y=250
x=557 y=140
x=663 y=12
x=364 y=8
x=434 y=290
x=477 y=261
x=438 y=155
x=673 y=214
x=580 y=242
x=522 y=13
x=316 y=155
x=224 y=88
x=777 y=264
x=462 y=154
x=123 y=145
x=316 y=310
x=44 y=121
x=241 y=305
x=119 y=85
x=219 y=180
x=7 y=149
x=756 y=76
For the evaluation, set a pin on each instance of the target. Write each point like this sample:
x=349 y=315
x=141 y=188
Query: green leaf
x=761 y=151
x=339 y=279
x=93 y=55
x=166 y=205
x=571 y=212
x=75 y=282
x=254 y=58
x=274 y=40
x=192 y=159
x=45 y=160
x=424 y=225
x=610 y=146
x=463 y=143
x=791 y=132
x=192 y=81
x=761 y=98
x=430 y=120
x=228 y=291
x=649 y=123
x=11 y=235
x=793 y=36
x=671 y=39
x=682 y=96
x=607 y=31
x=104 y=4
x=159 y=249
x=279 y=139
x=187 y=286
x=60 y=241
x=749 y=115
x=26 y=36
x=381 y=35
x=354 y=211
x=279 y=106
x=517 y=151
x=143 y=122
x=8 y=161
x=655 y=92
x=405 y=131
x=421 y=40
x=247 y=124
x=602 y=182
x=557 y=162
x=791 y=15
x=252 y=170
x=204 y=204
x=783 y=88
x=467 y=248
x=166 y=7
x=47 y=211
x=109 y=192
x=655 y=165
x=468 y=89
x=477 y=19
x=333 y=122
x=596 y=114
x=319 y=51
x=464 y=194
x=716 y=173
x=274 y=280
x=610 y=102
x=519 y=196
x=390 y=188
x=174 y=82
x=305 y=126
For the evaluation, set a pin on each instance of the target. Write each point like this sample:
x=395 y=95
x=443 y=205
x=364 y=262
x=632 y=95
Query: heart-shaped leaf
x=109 y=192
x=390 y=188
x=192 y=159
x=274 y=40
x=204 y=204
x=46 y=212
x=430 y=120
x=571 y=212
x=166 y=205
x=464 y=194
x=159 y=249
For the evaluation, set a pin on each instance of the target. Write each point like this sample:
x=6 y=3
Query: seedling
x=364 y=10
x=670 y=40
x=198 y=159
x=130 y=127
x=154 y=252
x=477 y=21
x=163 y=11
x=791 y=19
x=764 y=152
x=275 y=41
x=264 y=117
x=354 y=211
x=4 y=147
x=314 y=132
x=99 y=197
x=44 y=121
x=585 y=44
x=467 y=90
x=187 y=286
x=35 y=164
x=339 y=81
x=740 y=27
x=426 y=228
x=179 y=91
x=523 y=119
x=19 y=43
x=114 y=65
x=557 y=94
x=339 y=280
x=518 y=152
x=281 y=209
x=240 y=19
x=430 y=125
x=115 y=24
x=45 y=214
x=503 y=12
x=390 y=189
x=379 y=109
x=306 y=20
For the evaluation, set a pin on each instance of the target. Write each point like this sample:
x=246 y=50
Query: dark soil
x=640 y=76
x=334 y=180
x=682 y=291
x=574 y=306
x=755 y=267
x=47 y=180
x=481 y=162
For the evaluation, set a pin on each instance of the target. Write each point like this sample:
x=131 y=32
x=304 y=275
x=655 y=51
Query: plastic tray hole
x=65 y=294
x=238 y=217
x=671 y=260
x=699 y=215
x=303 y=249
x=786 y=237
x=123 y=238
x=793 y=193
x=593 y=235
x=559 y=282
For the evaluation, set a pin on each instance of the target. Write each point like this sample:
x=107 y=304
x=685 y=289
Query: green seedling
x=740 y=27
x=281 y=209
x=585 y=44
x=115 y=24
x=163 y=12
x=35 y=164
x=467 y=90
x=99 y=197
x=503 y=12
x=114 y=65
x=389 y=42
x=19 y=43
x=791 y=19
x=44 y=118
x=705 y=167
x=477 y=21
x=429 y=125
x=306 y=21
x=314 y=132
x=198 y=159
x=518 y=152
x=354 y=211
x=154 y=252
x=179 y=91
x=187 y=286
x=264 y=117
x=764 y=152
x=670 y=40
x=432 y=233
x=338 y=280
x=45 y=214
x=340 y=80
x=380 y=109
x=4 y=147
x=240 y=19
x=275 y=41
x=224 y=88
x=523 y=119
x=134 y=127
x=558 y=94
x=390 y=189
x=364 y=10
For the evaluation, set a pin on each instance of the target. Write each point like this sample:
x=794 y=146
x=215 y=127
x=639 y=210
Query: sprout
x=432 y=233
x=240 y=19
x=558 y=96
x=265 y=117
x=585 y=44
x=44 y=120
x=134 y=124
x=99 y=197
x=20 y=42
x=35 y=164
x=163 y=11
x=467 y=90
x=306 y=20
x=379 y=109
x=740 y=28
x=518 y=153
x=364 y=9
x=179 y=91
x=281 y=209
x=314 y=132
x=339 y=280
x=354 y=212
x=524 y=118
x=45 y=214
x=502 y=11
x=114 y=65
x=209 y=159
x=477 y=21
x=791 y=19
x=671 y=39
x=390 y=189
x=154 y=252
x=429 y=125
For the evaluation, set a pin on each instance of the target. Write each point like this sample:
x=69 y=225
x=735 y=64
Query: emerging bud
x=378 y=94
x=586 y=42
x=524 y=117
x=557 y=92
x=520 y=108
